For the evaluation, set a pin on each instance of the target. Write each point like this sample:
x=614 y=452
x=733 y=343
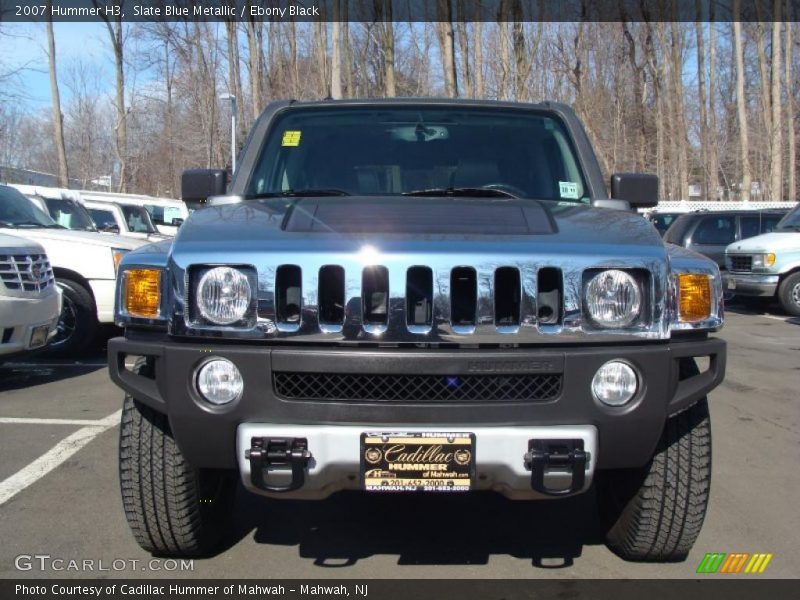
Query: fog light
x=615 y=383
x=219 y=381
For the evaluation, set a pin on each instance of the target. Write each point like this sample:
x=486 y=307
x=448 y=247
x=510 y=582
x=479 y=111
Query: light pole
x=232 y=98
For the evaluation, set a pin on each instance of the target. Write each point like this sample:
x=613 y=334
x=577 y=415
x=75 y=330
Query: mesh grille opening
x=416 y=388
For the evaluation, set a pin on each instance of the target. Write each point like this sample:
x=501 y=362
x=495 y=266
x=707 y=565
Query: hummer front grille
x=416 y=388
x=26 y=272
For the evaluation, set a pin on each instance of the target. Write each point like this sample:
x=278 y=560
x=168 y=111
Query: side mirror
x=198 y=184
x=640 y=190
x=177 y=222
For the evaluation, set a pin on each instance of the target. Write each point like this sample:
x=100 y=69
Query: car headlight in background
x=116 y=255
x=223 y=295
x=613 y=299
x=694 y=297
x=763 y=260
x=142 y=292
x=219 y=381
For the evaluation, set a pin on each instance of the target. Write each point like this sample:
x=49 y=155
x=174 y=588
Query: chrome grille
x=416 y=388
x=26 y=272
x=741 y=262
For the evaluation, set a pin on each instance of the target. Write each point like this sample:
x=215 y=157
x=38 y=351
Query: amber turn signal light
x=694 y=296
x=143 y=292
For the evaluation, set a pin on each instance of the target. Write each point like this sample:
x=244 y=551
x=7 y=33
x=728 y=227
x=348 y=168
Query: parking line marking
x=51 y=459
x=34 y=421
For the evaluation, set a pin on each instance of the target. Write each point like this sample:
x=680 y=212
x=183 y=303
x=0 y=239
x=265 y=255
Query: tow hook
x=278 y=454
x=558 y=455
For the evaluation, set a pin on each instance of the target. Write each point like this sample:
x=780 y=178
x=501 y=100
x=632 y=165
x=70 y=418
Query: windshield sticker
x=291 y=138
x=568 y=189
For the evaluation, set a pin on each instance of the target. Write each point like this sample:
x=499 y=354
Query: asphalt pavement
x=59 y=494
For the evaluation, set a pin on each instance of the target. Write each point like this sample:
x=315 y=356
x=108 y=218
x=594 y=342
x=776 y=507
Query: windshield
x=790 y=222
x=163 y=215
x=397 y=150
x=69 y=214
x=138 y=219
x=18 y=211
x=663 y=221
x=103 y=219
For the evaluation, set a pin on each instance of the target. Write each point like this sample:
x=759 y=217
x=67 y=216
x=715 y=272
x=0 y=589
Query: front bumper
x=207 y=435
x=20 y=316
x=750 y=284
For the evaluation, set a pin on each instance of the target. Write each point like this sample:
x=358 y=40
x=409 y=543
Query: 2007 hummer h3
x=417 y=295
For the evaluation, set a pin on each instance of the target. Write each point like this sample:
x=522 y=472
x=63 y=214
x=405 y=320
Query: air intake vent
x=507 y=296
x=419 y=299
x=463 y=299
x=331 y=295
x=375 y=298
x=548 y=296
x=288 y=296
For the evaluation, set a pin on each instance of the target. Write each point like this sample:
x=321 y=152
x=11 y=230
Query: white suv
x=84 y=264
x=30 y=301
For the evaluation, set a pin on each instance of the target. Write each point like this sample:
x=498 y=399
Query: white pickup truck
x=30 y=301
x=84 y=265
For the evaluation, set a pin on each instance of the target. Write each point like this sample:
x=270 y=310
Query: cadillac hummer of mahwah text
x=417 y=296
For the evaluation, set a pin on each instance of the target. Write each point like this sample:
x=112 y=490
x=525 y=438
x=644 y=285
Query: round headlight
x=615 y=383
x=219 y=381
x=223 y=295
x=613 y=299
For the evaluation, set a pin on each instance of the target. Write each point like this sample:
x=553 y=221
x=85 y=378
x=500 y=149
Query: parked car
x=30 y=300
x=710 y=232
x=662 y=220
x=84 y=264
x=435 y=289
x=167 y=215
x=67 y=212
x=768 y=265
x=125 y=219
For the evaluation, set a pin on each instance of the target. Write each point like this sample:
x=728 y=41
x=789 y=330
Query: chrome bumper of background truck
x=750 y=284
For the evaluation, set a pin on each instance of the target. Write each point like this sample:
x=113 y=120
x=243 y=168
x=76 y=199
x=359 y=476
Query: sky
x=25 y=44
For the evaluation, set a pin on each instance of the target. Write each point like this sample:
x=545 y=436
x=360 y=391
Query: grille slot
x=293 y=385
x=506 y=296
x=331 y=295
x=375 y=295
x=288 y=294
x=419 y=296
x=741 y=263
x=26 y=272
x=7 y=333
x=463 y=296
x=548 y=296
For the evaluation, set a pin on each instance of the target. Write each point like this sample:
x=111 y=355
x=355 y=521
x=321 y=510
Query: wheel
x=789 y=294
x=77 y=324
x=172 y=508
x=656 y=513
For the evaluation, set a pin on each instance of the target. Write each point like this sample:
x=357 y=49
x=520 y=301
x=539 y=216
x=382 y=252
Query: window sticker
x=568 y=189
x=291 y=138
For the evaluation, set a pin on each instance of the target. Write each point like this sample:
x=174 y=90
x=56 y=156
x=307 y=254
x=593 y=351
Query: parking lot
x=59 y=491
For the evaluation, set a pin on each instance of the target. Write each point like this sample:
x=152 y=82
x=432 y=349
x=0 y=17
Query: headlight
x=694 y=297
x=613 y=299
x=116 y=255
x=615 y=383
x=142 y=292
x=223 y=295
x=763 y=260
x=219 y=381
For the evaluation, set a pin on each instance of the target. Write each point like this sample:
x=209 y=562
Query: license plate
x=731 y=284
x=39 y=336
x=417 y=461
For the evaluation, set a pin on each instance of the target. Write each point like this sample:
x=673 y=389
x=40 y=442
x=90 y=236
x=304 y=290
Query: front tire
x=655 y=513
x=172 y=508
x=77 y=323
x=789 y=294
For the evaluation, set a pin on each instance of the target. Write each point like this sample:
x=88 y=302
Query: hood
x=8 y=242
x=82 y=237
x=769 y=242
x=344 y=223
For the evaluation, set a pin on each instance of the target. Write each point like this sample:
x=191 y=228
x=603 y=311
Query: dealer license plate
x=39 y=336
x=417 y=461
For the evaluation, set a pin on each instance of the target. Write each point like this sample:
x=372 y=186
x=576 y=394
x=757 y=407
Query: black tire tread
x=86 y=319
x=663 y=518
x=784 y=291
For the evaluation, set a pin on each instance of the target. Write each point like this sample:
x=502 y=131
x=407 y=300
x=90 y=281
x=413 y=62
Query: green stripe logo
x=711 y=562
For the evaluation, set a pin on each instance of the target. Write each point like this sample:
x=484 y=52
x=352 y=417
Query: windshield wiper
x=299 y=193
x=475 y=192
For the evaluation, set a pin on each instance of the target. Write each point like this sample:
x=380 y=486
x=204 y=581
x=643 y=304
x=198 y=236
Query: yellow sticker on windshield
x=291 y=138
